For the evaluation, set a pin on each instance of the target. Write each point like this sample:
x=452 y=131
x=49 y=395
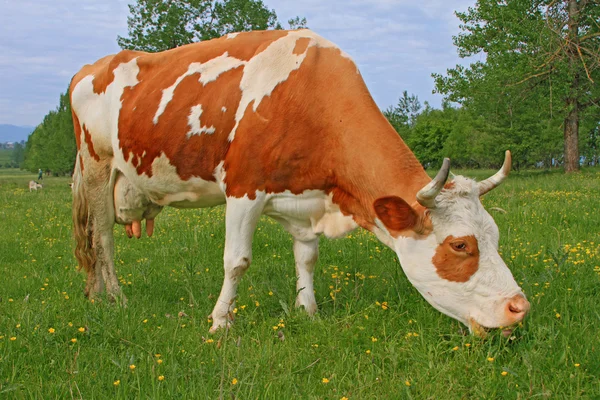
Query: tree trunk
x=571 y=130
x=571 y=123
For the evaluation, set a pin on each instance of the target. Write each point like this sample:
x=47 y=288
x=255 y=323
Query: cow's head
x=448 y=247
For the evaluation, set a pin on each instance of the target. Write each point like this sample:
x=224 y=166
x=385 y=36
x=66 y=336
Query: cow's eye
x=459 y=246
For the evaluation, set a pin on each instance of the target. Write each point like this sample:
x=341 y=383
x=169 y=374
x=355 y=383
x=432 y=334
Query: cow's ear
x=395 y=213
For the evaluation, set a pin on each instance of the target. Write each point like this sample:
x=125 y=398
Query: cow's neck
x=377 y=164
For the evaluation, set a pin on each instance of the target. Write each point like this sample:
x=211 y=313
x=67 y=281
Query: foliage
x=403 y=115
x=542 y=57
x=373 y=336
x=51 y=146
x=156 y=25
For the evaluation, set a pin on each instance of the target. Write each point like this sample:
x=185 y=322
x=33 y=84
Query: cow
x=278 y=123
x=33 y=185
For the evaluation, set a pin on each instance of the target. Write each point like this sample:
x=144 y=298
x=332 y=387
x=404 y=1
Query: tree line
x=536 y=92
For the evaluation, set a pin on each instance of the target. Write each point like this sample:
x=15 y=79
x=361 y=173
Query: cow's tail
x=82 y=225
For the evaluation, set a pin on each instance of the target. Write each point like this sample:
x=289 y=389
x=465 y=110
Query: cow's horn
x=426 y=196
x=498 y=177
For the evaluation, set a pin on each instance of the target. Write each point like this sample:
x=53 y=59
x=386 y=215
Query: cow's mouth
x=481 y=331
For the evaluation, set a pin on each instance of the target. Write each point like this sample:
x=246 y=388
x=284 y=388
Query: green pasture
x=374 y=336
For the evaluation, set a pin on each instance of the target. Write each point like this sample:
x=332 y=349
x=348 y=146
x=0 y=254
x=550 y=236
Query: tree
x=157 y=25
x=543 y=53
x=51 y=146
x=18 y=155
x=402 y=116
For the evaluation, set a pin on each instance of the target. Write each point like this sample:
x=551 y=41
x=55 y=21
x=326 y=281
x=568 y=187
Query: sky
x=397 y=44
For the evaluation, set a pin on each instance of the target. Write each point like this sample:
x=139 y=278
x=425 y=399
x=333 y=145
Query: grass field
x=373 y=338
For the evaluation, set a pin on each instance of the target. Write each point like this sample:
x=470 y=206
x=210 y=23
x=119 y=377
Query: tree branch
x=584 y=66
x=531 y=77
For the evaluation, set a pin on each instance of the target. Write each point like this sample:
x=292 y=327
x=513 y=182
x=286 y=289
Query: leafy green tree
x=545 y=53
x=157 y=25
x=18 y=155
x=402 y=116
x=51 y=146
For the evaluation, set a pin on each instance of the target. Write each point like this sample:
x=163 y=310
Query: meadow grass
x=374 y=336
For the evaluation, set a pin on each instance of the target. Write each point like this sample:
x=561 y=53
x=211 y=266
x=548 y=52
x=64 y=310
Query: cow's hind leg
x=241 y=218
x=97 y=188
x=306 y=253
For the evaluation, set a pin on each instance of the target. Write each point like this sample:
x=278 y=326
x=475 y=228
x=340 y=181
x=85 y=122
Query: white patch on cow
x=219 y=174
x=309 y=214
x=100 y=112
x=232 y=35
x=166 y=188
x=271 y=67
x=223 y=109
x=195 y=124
x=209 y=71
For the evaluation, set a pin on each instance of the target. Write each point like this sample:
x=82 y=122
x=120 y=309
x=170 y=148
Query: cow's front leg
x=240 y=222
x=306 y=254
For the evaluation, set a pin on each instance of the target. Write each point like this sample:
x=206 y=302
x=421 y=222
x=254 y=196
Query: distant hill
x=13 y=133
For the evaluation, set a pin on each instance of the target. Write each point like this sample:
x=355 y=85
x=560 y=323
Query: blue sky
x=397 y=44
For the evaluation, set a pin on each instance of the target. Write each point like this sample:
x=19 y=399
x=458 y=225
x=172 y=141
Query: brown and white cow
x=277 y=123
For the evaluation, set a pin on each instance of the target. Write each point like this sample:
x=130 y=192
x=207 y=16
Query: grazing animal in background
x=278 y=123
x=33 y=185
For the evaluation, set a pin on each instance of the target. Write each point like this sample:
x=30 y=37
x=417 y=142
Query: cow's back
x=247 y=104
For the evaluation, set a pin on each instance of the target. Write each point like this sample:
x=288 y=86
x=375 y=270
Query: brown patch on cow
x=81 y=163
x=320 y=129
x=301 y=46
x=449 y=185
x=457 y=259
x=396 y=214
x=90 y=145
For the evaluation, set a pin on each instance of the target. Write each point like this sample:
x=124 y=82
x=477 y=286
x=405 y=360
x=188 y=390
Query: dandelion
x=51 y=330
x=13 y=338
x=557 y=315
x=344 y=398
x=577 y=365
x=234 y=381
x=368 y=351
x=81 y=329
x=74 y=340
x=373 y=339
x=209 y=340
x=161 y=378
x=159 y=361
x=144 y=321
x=132 y=367
x=490 y=359
x=467 y=344
x=256 y=303
x=117 y=382
x=325 y=380
x=455 y=348
x=504 y=373
x=407 y=383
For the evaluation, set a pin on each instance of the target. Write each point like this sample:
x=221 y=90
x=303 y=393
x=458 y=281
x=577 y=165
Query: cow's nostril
x=518 y=306
x=514 y=308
